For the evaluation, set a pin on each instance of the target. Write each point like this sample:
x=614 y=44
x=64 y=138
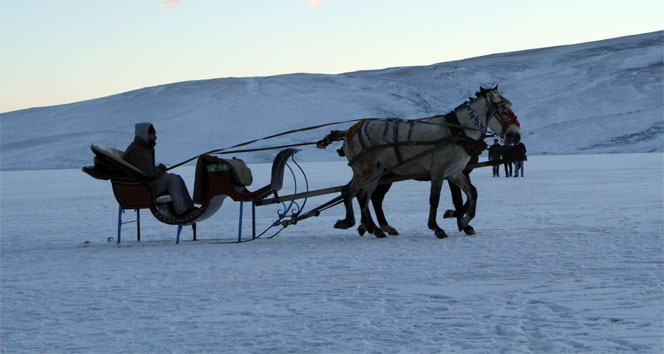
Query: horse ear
x=483 y=91
x=495 y=88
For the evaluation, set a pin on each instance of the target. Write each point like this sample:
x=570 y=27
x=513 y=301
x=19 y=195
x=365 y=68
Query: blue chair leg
x=177 y=240
x=138 y=224
x=253 y=220
x=119 y=223
x=239 y=231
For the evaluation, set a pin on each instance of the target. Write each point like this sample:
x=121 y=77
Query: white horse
x=435 y=148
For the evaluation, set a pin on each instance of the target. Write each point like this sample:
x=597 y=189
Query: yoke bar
x=299 y=196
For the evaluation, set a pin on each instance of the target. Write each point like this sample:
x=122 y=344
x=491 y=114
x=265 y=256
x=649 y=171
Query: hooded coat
x=140 y=152
x=495 y=152
x=520 y=152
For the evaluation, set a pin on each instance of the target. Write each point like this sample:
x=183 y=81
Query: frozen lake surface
x=567 y=259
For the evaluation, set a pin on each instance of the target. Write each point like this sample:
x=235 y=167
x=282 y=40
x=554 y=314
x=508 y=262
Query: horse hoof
x=448 y=214
x=461 y=225
x=362 y=230
x=379 y=233
x=343 y=224
x=441 y=234
x=469 y=230
x=389 y=229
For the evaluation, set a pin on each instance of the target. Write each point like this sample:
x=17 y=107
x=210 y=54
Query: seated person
x=140 y=153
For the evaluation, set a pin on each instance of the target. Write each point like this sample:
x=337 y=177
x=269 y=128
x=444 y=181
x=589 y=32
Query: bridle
x=503 y=113
x=506 y=117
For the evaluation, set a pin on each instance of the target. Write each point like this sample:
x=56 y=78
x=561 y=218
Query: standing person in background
x=495 y=153
x=519 y=157
x=507 y=156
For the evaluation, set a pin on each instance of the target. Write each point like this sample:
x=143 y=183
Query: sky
x=62 y=51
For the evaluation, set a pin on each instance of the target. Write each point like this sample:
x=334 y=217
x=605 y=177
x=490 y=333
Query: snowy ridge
x=596 y=97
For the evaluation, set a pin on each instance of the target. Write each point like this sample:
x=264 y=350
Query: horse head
x=502 y=119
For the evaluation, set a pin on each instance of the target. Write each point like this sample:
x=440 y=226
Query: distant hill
x=598 y=97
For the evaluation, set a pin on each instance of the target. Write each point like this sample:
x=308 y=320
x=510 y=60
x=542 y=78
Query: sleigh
x=215 y=180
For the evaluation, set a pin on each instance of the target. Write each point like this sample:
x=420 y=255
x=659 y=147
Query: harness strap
x=453 y=124
x=359 y=136
x=472 y=146
x=366 y=132
x=437 y=145
x=458 y=137
x=387 y=126
x=453 y=139
x=410 y=131
x=396 y=141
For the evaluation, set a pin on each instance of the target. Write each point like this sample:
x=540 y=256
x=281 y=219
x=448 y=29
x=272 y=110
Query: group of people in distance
x=512 y=154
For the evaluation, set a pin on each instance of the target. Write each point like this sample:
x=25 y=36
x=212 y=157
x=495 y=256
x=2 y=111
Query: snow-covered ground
x=567 y=259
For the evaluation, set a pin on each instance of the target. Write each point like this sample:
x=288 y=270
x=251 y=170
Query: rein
x=223 y=150
x=228 y=150
x=503 y=120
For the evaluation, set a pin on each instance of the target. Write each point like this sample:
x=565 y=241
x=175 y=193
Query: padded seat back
x=109 y=164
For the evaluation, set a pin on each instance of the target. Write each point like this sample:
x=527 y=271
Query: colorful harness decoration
x=387 y=126
x=505 y=114
x=410 y=133
x=366 y=132
x=473 y=117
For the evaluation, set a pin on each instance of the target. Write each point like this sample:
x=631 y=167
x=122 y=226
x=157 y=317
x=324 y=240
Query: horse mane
x=478 y=95
x=483 y=91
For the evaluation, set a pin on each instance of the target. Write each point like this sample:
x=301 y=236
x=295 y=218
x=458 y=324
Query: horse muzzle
x=513 y=136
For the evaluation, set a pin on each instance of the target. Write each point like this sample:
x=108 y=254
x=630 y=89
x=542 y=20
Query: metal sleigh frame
x=292 y=210
x=138 y=226
x=133 y=191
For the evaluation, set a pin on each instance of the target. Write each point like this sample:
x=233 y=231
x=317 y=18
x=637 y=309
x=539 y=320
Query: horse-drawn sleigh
x=379 y=151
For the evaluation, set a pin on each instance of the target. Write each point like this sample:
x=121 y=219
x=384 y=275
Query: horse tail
x=339 y=135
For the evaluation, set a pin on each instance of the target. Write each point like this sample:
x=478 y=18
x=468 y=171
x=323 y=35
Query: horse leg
x=434 y=199
x=468 y=230
x=349 y=221
x=460 y=209
x=377 y=201
x=360 y=177
x=363 y=197
x=471 y=193
x=367 y=224
x=362 y=229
